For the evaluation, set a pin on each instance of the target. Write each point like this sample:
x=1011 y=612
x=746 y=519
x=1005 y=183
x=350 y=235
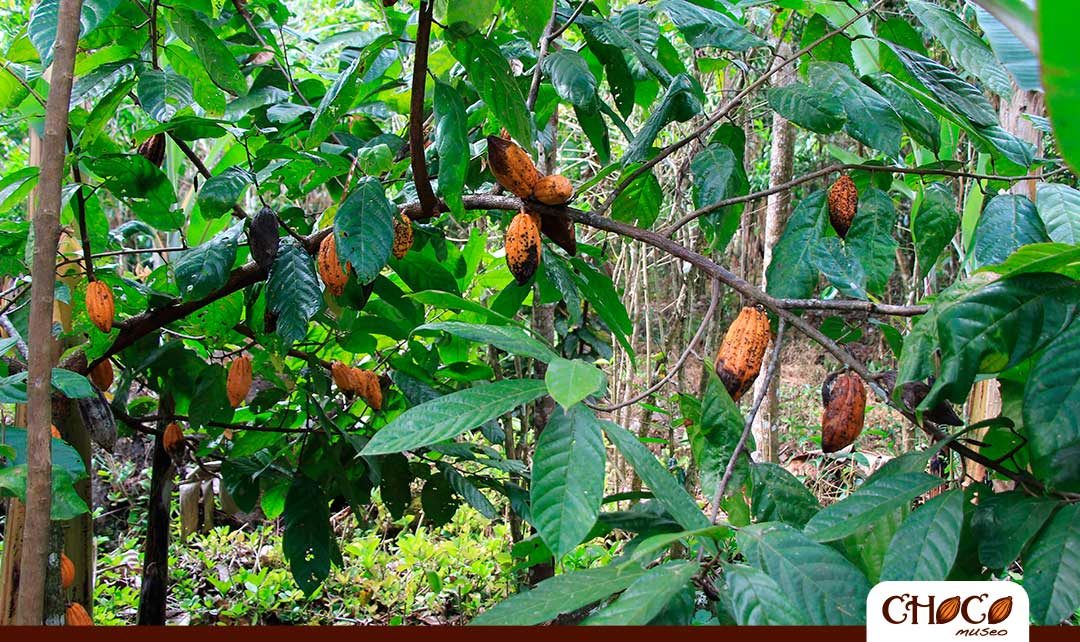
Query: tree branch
x=429 y=204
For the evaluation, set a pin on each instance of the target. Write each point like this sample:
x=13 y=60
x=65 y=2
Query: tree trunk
x=155 y=579
x=777 y=208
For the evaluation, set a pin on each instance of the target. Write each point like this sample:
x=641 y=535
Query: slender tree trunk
x=777 y=207
x=31 y=600
x=155 y=580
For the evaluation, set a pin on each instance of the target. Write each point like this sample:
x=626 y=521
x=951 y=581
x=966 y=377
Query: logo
x=936 y=611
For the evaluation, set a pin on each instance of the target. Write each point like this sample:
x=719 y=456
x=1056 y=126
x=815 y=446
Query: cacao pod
x=523 y=246
x=173 y=441
x=843 y=202
x=76 y=615
x=999 y=610
x=153 y=149
x=738 y=361
x=269 y=321
x=560 y=229
x=512 y=167
x=238 y=383
x=54 y=432
x=947 y=610
x=844 y=397
x=329 y=266
x=263 y=237
x=368 y=388
x=403 y=236
x=100 y=305
x=67 y=571
x=912 y=394
x=553 y=190
x=344 y=377
x=102 y=375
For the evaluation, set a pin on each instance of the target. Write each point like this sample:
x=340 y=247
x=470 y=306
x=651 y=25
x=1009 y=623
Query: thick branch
x=429 y=204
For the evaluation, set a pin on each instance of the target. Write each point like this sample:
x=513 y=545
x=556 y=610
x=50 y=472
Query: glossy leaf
x=808 y=107
x=219 y=193
x=1060 y=75
x=871 y=241
x=364 y=229
x=646 y=597
x=507 y=338
x=925 y=546
x=1052 y=568
x=669 y=109
x=216 y=58
x=778 y=496
x=308 y=537
x=965 y=47
x=570 y=381
x=870 y=118
x=571 y=77
x=873 y=499
x=293 y=292
x=489 y=72
x=1059 y=209
x=452 y=142
x=1005 y=523
x=163 y=93
x=1008 y=222
x=1051 y=407
x=953 y=91
x=791 y=274
x=703 y=27
x=203 y=270
x=840 y=266
x=712 y=168
x=757 y=600
x=934 y=224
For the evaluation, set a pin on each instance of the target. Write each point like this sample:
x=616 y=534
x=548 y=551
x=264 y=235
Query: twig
x=569 y=21
x=545 y=42
x=80 y=212
x=13 y=333
x=429 y=204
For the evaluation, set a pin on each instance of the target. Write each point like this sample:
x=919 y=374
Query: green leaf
x=72 y=385
x=570 y=381
x=870 y=238
x=1052 y=568
x=41 y=28
x=489 y=72
x=965 y=47
x=823 y=586
x=867 y=504
x=450 y=415
x=567 y=478
x=534 y=16
x=163 y=93
x=955 y=93
x=364 y=229
x=571 y=77
x=1004 y=524
x=1007 y=222
x=791 y=274
x=1022 y=64
x=1059 y=209
x=218 y=61
x=870 y=119
x=1061 y=258
x=924 y=128
x=600 y=291
x=219 y=193
x=646 y=597
x=64 y=456
x=934 y=224
x=712 y=169
x=924 y=548
x=452 y=143
x=293 y=292
x=667 y=491
x=704 y=27
x=757 y=600
x=437 y=500
x=1051 y=407
x=779 y=496
x=807 y=107
x=468 y=491
x=335 y=103
x=837 y=261
x=510 y=339
x=714 y=436
x=308 y=537
x=1060 y=75
x=66 y=502
x=672 y=107
x=203 y=270
x=640 y=202
x=560 y=594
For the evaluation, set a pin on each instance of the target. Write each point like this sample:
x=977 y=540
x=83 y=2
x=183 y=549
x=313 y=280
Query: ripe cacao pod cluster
x=363 y=383
x=738 y=361
x=330 y=271
x=102 y=375
x=263 y=237
x=843 y=199
x=173 y=441
x=238 y=381
x=67 y=571
x=844 y=399
x=153 y=149
x=403 y=236
x=76 y=615
x=523 y=246
x=100 y=305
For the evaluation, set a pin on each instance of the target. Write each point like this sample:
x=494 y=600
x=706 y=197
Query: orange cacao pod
x=512 y=167
x=553 y=190
x=329 y=266
x=999 y=610
x=843 y=202
x=947 y=610
x=368 y=387
x=55 y=433
x=173 y=440
x=844 y=397
x=738 y=361
x=76 y=615
x=403 y=236
x=102 y=375
x=153 y=149
x=238 y=383
x=67 y=571
x=560 y=229
x=344 y=377
x=100 y=305
x=523 y=246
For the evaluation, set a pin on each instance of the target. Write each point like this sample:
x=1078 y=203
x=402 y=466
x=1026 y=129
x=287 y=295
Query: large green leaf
x=1004 y=523
x=869 y=503
x=364 y=229
x=640 y=202
x=1059 y=209
x=293 y=292
x=142 y=186
x=837 y=261
x=791 y=274
x=924 y=128
x=954 y=92
x=335 y=103
x=757 y=600
x=1052 y=568
x=1051 y=411
x=672 y=107
x=163 y=93
x=452 y=142
x=668 y=492
x=1060 y=258
x=600 y=291
x=64 y=456
x=41 y=28
x=560 y=594
x=965 y=47
x=308 y=538
x=1060 y=75
x=703 y=27
x=510 y=339
x=871 y=241
x=824 y=587
x=712 y=168
x=714 y=435
x=218 y=61
x=808 y=107
x=567 y=478
x=533 y=16
x=870 y=118
x=572 y=380
x=934 y=224
x=924 y=547
x=203 y=270
x=1018 y=59
x=647 y=596
x=450 y=415
x=571 y=77
x=778 y=496
x=1007 y=222
x=220 y=192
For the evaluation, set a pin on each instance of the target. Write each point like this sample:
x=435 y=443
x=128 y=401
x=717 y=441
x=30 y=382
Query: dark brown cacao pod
x=263 y=237
x=738 y=361
x=153 y=149
x=560 y=229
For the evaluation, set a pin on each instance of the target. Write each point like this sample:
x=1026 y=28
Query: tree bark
x=155 y=579
x=31 y=600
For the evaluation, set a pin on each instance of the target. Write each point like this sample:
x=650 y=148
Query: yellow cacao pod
x=403 y=236
x=844 y=397
x=238 y=383
x=102 y=375
x=173 y=440
x=738 y=361
x=76 y=615
x=67 y=571
x=523 y=246
x=512 y=167
x=100 y=306
x=843 y=203
x=329 y=266
x=368 y=387
x=553 y=190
